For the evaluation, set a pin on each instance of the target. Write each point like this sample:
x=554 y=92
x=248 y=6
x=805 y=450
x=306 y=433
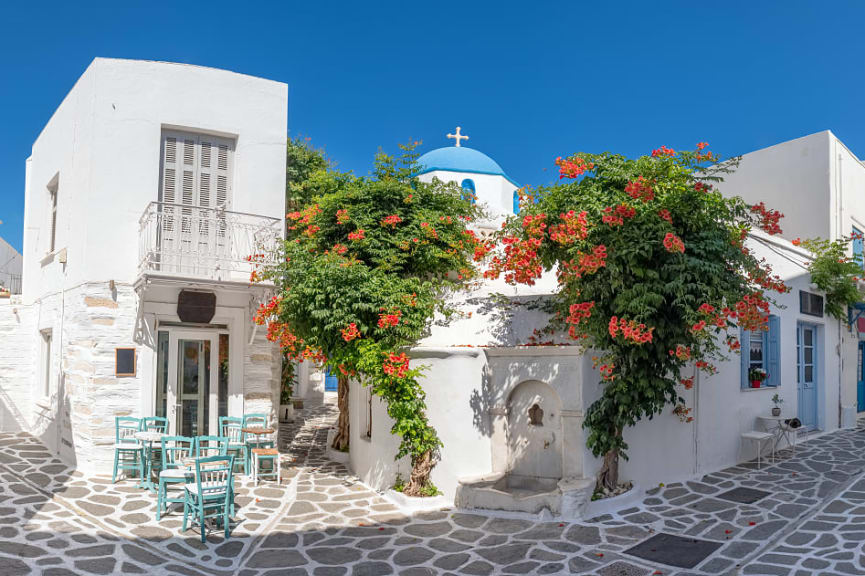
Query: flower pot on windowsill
x=755 y=383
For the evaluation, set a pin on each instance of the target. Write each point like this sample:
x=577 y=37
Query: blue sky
x=527 y=81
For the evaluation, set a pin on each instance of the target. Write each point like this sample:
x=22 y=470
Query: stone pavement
x=323 y=521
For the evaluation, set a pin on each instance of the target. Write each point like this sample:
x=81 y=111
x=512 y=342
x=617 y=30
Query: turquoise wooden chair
x=174 y=450
x=254 y=420
x=211 y=494
x=230 y=427
x=154 y=424
x=210 y=446
x=128 y=451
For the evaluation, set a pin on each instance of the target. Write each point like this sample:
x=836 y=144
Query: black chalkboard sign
x=124 y=362
x=196 y=307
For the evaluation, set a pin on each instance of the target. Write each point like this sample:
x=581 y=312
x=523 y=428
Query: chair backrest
x=175 y=449
x=125 y=428
x=213 y=475
x=206 y=446
x=230 y=426
x=154 y=424
x=257 y=420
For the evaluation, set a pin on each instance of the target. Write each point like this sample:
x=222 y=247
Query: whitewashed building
x=146 y=191
x=484 y=387
x=10 y=268
x=818 y=183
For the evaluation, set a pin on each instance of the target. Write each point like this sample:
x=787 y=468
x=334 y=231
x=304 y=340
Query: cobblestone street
x=323 y=521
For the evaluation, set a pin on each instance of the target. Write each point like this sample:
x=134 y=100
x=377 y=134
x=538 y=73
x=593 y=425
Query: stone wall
x=261 y=375
x=97 y=321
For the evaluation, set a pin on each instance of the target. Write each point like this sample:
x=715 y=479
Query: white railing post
x=210 y=243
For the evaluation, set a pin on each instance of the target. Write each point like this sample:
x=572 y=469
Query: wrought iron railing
x=210 y=243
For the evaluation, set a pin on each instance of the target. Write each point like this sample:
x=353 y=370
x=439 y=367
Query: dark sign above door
x=196 y=307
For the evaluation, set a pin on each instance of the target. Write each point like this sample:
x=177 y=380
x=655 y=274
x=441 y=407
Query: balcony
x=203 y=243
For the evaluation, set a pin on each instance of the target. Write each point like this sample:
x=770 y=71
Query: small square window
x=810 y=304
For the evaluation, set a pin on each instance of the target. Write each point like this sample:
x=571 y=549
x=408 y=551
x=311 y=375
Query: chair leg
x=201 y=520
x=141 y=466
x=225 y=513
x=114 y=474
x=160 y=494
x=186 y=506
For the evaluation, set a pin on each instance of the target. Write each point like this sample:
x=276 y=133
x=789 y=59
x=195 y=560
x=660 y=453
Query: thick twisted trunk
x=419 y=477
x=608 y=477
x=340 y=439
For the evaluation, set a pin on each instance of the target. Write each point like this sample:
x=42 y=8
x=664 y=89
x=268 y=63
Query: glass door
x=806 y=343
x=192 y=395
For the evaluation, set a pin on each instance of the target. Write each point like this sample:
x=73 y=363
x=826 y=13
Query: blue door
x=860 y=384
x=807 y=374
x=330 y=382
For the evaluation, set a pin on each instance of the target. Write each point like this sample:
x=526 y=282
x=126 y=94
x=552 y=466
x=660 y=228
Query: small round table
x=258 y=432
x=777 y=426
x=148 y=437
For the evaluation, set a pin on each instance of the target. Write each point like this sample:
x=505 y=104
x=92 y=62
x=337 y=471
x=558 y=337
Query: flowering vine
x=652 y=270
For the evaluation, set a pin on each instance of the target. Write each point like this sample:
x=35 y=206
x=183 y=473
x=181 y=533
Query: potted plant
x=777 y=401
x=757 y=376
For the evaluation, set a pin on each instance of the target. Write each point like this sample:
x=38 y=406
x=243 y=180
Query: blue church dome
x=460 y=159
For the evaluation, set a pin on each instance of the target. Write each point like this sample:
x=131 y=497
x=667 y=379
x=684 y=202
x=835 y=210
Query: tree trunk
x=419 y=477
x=608 y=477
x=340 y=439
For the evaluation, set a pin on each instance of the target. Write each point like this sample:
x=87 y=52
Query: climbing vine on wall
x=365 y=267
x=834 y=272
x=653 y=271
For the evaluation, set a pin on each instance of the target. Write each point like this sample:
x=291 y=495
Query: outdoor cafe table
x=778 y=426
x=148 y=437
x=258 y=432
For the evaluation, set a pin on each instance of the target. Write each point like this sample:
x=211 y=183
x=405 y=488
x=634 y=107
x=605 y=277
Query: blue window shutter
x=774 y=365
x=744 y=353
x=857 y=246
x=516 y=202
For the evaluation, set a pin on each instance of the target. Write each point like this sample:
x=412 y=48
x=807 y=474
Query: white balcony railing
x=209 y=243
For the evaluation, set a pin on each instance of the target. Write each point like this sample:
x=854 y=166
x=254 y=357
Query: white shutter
x=196 y=174
x=169 y=180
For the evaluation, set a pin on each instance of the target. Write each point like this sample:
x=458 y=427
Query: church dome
x=460 y=159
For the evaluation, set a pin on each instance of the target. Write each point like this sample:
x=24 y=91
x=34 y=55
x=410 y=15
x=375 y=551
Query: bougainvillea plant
x=834 y=272
x=365 y=267
x=653 y=273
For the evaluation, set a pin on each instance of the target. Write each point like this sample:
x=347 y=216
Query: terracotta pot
x=755 y=383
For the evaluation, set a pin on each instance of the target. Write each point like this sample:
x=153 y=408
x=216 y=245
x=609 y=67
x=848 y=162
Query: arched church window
x=468 y=187
x=516 y=202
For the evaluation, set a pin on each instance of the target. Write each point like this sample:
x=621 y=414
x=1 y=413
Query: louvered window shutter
x=773 y=366
x=744 y=353
x=169 y=184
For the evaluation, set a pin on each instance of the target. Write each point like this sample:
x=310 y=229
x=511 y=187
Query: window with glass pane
x=162 y=374
x=222 y=401
x=756 y=354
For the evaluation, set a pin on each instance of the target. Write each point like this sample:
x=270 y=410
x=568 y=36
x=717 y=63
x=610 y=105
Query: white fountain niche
x=530 y=461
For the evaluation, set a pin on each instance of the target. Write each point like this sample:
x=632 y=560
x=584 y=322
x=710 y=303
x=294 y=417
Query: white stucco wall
x=793 y=177
x=462 y=386
x=104 y=142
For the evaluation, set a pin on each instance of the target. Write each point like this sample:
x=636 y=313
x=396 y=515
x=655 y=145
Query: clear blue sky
x=527 y=81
